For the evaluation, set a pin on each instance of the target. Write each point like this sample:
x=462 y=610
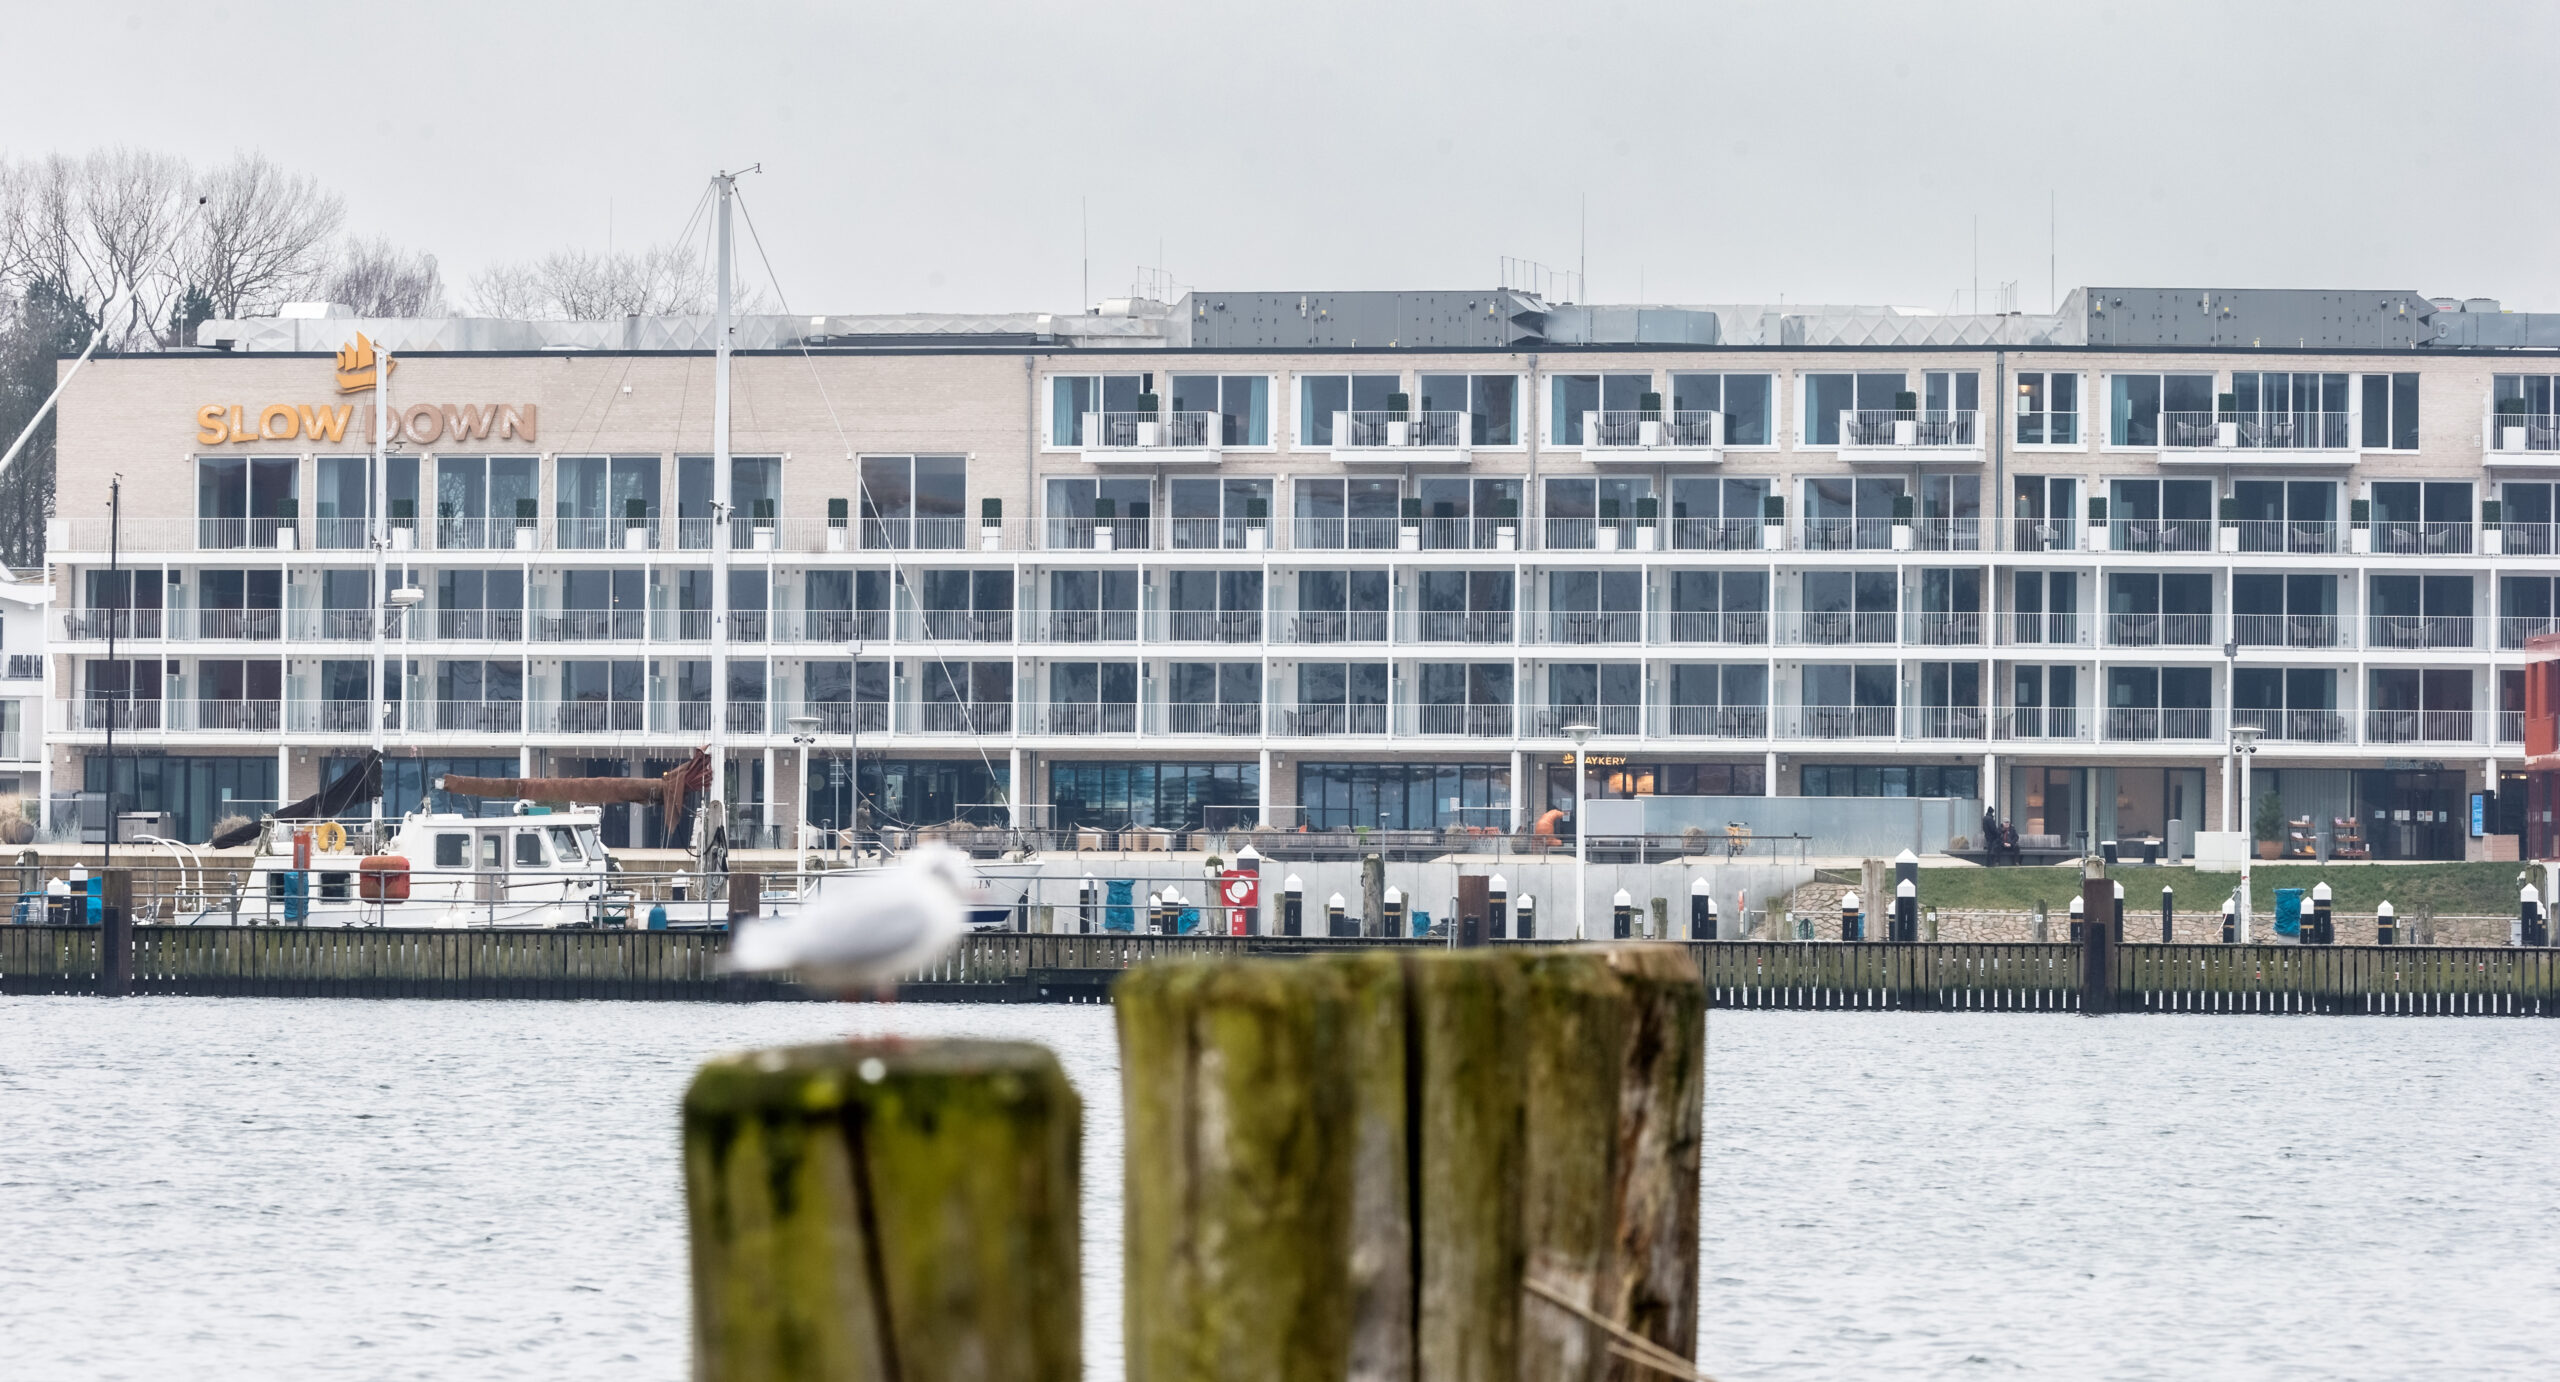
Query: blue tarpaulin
x=1119 y=912
x=2289 y=911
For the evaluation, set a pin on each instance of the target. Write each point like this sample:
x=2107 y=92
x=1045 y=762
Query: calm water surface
x=302 y=1188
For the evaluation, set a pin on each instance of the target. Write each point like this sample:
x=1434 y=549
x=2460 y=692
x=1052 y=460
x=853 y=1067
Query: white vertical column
x=718 y=801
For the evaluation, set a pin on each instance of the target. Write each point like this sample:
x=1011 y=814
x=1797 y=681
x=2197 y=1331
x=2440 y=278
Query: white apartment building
x=1345 y=560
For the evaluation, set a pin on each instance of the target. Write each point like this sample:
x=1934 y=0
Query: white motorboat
x=539 y=869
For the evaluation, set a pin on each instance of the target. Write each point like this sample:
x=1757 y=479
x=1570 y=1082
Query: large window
x=918 y=502
x=2159 y=703
x=481 y=501
x=1203 y=606
x=1217 y=513
x=2147 y=609
x=2162 y=516
x=1083 y=511
x=2160 y=410
x=2048 y=408
x=1845 y=513
x=1342 y=698
x=342 y=512
x=1360 y=513
x=1241 y=403
x=2391 y=412
x=1213 y=698
x=1608 y=696
x=1075 y=400
x=1093 y=606
x=2290 y=411
x=1891 y=780
x=1341 y=606
x=1403 y=796
x=1322 y=396
x=1717 y=514
x=1573 y=396
x=1843 y=700
x=1491 y=403
x=1093 y=698
x=1461 y=513
x=1827 y=396
x=1168 y=796
x=602 y=695
x=199 y=793
x=2422 y=517
x=1721 y=701
x=1584 y=512
x=1595 y=606
x=243 y=501
x=1742 y=401
x=2287 y=515
x=1469 y=698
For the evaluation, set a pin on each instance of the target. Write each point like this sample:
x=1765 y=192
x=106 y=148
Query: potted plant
x=1150 y=426
x=635 y=524
x=1904 y=511
x=2227 y=531
x=1649 y=420
x=839 y=522
x=1607 y=536
x=1506 y=524
x=404 y=524
x=1257 y=524
x=1773 y=523
x=2268 y=825
x=2511 y=417
x=2226 y=420
x=990 y=524
x=287 y=510
x=762 y=524
x=1399 y=419
x=2493 y=536
x=1104 y=511
x=2097 y=524
x=1906 y=418
x=1409 y=525
x=2360 y=525
x=1648 y=510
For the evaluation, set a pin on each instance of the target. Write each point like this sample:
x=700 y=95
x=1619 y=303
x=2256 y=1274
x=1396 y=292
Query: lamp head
x=1580 y=733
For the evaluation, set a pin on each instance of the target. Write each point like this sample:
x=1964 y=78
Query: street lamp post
x=852 y=749
x=2244 y=746
x=404 y=599
x=1580 y=734
x=804 y=732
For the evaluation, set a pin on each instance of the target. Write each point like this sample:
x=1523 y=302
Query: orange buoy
x=383 y=878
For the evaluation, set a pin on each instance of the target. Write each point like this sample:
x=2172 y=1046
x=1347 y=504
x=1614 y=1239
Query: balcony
x=2160 y=631
x=1654 y=435
x=746 y=717
x=93 y=625
x=1338 y=626
x=1834 y=628
x=341 y=717
x=1347 y=534
x=849 y=717
x=2518 y=631
x=957 y=717
x=338 y=625
x=749 y=625
x=1885 y=434
x=2161 y=535
x=2047 y=629
x=115 y=712
x=2411 y=632
x=1743 y=627
x=247 y=717
x=2315 y=437
x=1948 y=722
x=2528 y=539
x=477 y=625
x=623 y=534
x=1225 y=719
x=1307 y=721
x=1718 y=721
x=1118 y=534
x=1601 y=535
x=2145 y=724
x=1158 y=438
x=1487 y=627
x=960 y=625
x=1616 y=721
x=2045 y=534
x=1843 y=722
x=1090 y=626
x=1402 y=438
x=2039 y=722
x=1848 y=534
x=463 y=534
x=2285 y=630
x=1947 y=534
x=2510 y=726
x=254 y=625
x=1945 y=629
x=2296 y=726
x=948 y=534
x=2419 y=727
x=1470 y=534
x=1213 y=626
x=1718 y=535
x=246 y=534
x=474 y=717
x=1089 y=717
x=835 y=626
x=1218 y=534
x=603 y=717
x=2401 y=537
x=2531 y=438
x=2281 y=535
x=1470 y=721
x=24 y=667
x=592 y=626
x=1591 y=626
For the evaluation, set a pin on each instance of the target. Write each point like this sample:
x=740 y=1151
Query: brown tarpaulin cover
x=667 y=792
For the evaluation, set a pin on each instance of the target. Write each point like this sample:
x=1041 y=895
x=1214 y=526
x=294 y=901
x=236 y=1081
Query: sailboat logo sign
x=355 y=365
x=360 y=369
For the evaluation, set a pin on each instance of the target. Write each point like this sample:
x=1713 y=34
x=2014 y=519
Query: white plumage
x=866 y=929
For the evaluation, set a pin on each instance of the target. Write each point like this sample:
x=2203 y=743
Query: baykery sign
x=419 y=424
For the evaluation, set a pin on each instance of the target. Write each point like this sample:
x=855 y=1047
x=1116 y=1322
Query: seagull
x=866 y=930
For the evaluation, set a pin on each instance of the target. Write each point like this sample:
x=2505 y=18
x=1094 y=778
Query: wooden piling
x=2097 y=940
x=901 y=1211
x=115 y=932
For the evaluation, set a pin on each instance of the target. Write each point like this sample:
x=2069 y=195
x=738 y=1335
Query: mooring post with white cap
x=1391 y=912
x=1906 y=911
x=1850 y=921
x=2532 y=927
x=1622 y=915
x=2231 y=919
x=2118 y=933
x=2323 y=929
x=2168 y=915
x=1293 y=905
x=2078 y=921
x=2386 y=927
x=1335 y=922
x=2097 y=948
x=1497 y=907
x=1525 y=920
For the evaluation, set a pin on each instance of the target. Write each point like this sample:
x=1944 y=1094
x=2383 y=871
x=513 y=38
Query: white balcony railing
x=1652 y=430
x=1388 y=430
x=1917 y=430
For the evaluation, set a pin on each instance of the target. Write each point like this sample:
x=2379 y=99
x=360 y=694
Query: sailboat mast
x=378 y=512
x=717 y=803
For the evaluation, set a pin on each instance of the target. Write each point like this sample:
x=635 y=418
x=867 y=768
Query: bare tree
x=581 y=285
x=105 y=227
x=261 y=235
x=379 y=279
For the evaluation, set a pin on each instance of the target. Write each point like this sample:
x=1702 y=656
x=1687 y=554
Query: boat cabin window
x=333 y=887
x=492 y=851
x=592 y=847
x=529 y=849
x=564 y=842
x=453 y=851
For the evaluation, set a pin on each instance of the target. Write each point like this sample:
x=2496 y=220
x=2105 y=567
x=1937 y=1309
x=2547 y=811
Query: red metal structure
x=2542 y=748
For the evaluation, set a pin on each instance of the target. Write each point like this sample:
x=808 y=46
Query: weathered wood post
x=1474 y=907
x=903 y=1211
x=2097 y=939
x=746 y=896
x=1373 y=895
x=115 y=932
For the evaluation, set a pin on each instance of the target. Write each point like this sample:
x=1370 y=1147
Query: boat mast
x=380 y=538
x=716 y=805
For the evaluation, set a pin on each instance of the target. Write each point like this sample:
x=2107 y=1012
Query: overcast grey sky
x=932 y=156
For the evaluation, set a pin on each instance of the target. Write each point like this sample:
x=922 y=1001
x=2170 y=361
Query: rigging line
x=862 y=488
